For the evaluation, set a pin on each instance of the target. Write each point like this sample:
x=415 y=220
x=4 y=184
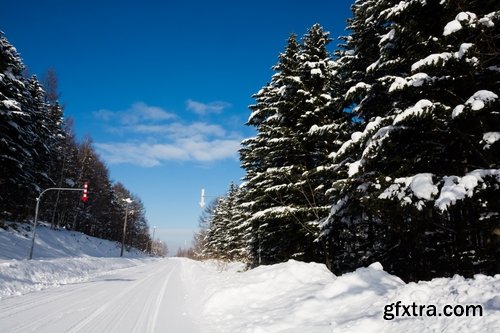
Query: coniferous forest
x=387 y=149
x=39 y=150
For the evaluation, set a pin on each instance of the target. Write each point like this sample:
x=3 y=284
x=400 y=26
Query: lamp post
x=128 y=201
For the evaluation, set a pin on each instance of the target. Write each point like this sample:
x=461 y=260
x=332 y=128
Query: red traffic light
x=85 y=192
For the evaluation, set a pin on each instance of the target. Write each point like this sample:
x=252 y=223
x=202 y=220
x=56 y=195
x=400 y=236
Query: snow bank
x=15 y=243
x=300 y=297
x=61 y=257
x=20 y=277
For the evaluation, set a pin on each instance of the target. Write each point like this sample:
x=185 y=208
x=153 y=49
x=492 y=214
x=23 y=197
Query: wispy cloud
x=206 y=108
x=178 y=130
x=154 y=137
x=150 y=155
x=136 y=113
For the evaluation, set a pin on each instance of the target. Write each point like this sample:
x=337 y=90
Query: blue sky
x=163 y=87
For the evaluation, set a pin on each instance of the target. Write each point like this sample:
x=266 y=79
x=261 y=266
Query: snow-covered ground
x=86 y=289
x=61 y=257
x=300 y=297
x=15 y=243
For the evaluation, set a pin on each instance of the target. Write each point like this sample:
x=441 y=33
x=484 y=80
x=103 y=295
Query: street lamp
x=128 y=201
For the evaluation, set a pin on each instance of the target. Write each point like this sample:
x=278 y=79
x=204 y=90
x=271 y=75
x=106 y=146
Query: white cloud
x=153 y=139
x=180 y=130
x=206 y=108
x=198 y=149
x=138 y=112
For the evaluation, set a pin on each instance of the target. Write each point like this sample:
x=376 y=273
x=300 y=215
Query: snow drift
x=301 y=297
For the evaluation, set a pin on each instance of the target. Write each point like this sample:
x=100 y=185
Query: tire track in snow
x=159 y=300
x=111 y=317
x=149 y=298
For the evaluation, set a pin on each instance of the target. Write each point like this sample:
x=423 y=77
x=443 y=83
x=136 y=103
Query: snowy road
x=178 y=295
x=145 y=298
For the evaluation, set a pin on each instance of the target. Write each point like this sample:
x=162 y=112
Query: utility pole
x=84 y=199
x=128 y=201
x=153 y=240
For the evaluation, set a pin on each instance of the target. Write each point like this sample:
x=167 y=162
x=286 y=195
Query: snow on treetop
x=457 y=188
x=451 y=27
x=315 y=129
x=395 y=10
x=377 y=139
x=415 y=80
x=354 y=167
x=316 y=71
x=417 y=109
x=387 y=36
x=456 y=25
x=422 y=186
x=273 y=211
x=468 y=18
x=419 y=186
x=358 y=86
x=487 y=20
x=490 y=138
x=447 y=191
x=11 y=104
x=438 y=58
x=356 y=136
x=476 y=102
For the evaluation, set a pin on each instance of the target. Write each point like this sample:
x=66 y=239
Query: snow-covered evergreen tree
x=285 y=202
x=224 y=237
x=417 y=185
x=22 y=149
x=38 y=150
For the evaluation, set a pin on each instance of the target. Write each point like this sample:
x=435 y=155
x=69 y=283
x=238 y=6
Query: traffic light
x=85 y=196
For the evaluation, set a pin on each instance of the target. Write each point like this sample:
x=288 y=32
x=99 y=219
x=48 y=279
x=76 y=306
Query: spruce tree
x=284 y=201
x=20 y=144
x=395 y=203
